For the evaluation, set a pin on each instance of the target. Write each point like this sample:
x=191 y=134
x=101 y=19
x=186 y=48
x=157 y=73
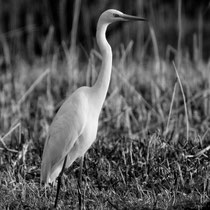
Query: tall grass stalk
x=77 y=7
x=33 y=86
x=179 y=55
x=200 y=34
x=3 y=139
x=170 y=110
x=184 y=100
x=155 y=45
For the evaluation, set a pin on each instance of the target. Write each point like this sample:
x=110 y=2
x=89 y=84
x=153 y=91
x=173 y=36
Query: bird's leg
x=80 y=183
x=59 y=182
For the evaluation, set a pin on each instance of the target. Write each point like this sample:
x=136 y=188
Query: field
x=152 y=149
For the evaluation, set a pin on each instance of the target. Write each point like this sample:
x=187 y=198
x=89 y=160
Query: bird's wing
x=65 y=129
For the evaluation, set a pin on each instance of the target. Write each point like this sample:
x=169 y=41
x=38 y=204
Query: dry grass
x=142 y=154
x=152 y=147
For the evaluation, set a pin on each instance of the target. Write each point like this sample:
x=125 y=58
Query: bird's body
x=69 y=135
x=74 y=127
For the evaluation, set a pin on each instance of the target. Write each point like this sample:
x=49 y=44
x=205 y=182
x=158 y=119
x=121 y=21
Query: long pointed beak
x=132 y=18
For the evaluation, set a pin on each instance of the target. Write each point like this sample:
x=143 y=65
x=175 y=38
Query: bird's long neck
x=103 y=80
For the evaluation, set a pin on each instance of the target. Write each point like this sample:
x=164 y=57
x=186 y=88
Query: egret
x=74 y=127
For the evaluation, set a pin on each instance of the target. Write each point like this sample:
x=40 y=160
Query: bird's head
x=112 y=15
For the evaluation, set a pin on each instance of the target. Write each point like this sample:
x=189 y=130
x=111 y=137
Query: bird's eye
x=115 y=15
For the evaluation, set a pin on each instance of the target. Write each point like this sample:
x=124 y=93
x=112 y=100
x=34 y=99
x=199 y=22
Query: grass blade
x=184 y=100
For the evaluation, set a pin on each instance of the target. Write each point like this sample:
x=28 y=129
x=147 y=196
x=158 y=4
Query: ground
x=152 y=147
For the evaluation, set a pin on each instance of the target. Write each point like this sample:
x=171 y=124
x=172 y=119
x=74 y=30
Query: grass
x=146 y=156
x=152 y=147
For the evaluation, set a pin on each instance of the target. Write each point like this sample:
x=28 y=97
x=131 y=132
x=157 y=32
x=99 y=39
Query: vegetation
x=152 y=149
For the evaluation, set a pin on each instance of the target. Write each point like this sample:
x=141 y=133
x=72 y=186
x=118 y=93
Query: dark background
x=34 y=28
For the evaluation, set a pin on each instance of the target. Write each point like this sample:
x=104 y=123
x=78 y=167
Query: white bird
x=74 y=127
